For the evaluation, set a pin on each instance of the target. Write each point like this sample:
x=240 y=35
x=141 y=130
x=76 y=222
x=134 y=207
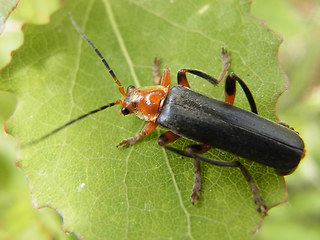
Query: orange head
x=145 y=102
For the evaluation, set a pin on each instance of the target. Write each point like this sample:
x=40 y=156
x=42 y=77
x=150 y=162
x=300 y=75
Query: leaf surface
x=140 y=192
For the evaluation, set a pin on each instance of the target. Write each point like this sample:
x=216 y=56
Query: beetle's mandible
x=211 y=123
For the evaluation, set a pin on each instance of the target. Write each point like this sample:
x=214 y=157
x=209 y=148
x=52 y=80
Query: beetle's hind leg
x=230 y=85
x=169 y=137
x=189 y=152
x=197 y=148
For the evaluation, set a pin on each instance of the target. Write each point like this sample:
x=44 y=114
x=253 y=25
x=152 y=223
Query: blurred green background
x=299 y=55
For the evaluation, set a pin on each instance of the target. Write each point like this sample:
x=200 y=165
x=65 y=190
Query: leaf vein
x=123 y=47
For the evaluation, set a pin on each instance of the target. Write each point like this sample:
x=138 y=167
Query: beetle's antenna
x=69 y=123
x=99 y=54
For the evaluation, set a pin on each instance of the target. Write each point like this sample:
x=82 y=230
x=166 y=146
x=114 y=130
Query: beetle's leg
x=230 y=91
x=148 y=128
x=197 y=148
x=230 y=86
x=165 y=79
x=225 y=66
x=182 y=79
x=169 y=137
x=255 y=190
x=288 y=126
x=156 y=71
x=197 y=181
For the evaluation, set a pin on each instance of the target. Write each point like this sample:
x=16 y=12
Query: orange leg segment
x=165 y=80
x=230 y=90
x=148 y=128
x=167 y=138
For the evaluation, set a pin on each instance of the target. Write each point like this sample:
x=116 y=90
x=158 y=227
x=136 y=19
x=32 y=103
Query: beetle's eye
x=125 y=111
x=130 y=87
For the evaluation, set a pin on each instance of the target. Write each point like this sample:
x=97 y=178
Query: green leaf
x=140 y=192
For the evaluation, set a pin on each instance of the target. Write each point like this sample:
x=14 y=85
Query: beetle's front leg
x=156 y=71
x=148 y=128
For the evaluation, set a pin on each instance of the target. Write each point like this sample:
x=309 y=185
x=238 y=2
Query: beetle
x=211 y=123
